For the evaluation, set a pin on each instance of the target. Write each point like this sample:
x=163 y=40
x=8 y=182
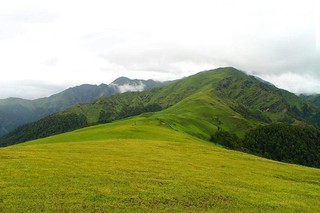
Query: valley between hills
x=211 y=142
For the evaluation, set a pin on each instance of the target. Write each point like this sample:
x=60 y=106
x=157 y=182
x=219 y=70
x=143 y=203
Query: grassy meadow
x=142 y=165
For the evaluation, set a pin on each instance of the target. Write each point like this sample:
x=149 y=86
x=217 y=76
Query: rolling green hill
x=201 y=104
x=141 y=164
x=161 y=160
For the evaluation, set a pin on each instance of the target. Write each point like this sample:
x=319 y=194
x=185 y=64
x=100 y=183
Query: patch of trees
x=286 y=119
x=51 y=125
x=251 y=114
x=281 y=142
x=306 y=113
x=229 y=140
x=316 y=119
x=106 y=116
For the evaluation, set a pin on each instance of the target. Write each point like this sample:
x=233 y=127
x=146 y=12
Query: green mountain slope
x=15 y=111
x=201 y=104
x=312 y=98
x=220 y=97
x=141 y=164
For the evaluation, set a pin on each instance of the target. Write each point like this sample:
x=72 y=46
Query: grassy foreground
x=142 y=165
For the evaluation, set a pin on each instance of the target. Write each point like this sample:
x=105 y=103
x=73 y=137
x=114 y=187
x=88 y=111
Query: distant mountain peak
x=122 y=80
x=124 y=84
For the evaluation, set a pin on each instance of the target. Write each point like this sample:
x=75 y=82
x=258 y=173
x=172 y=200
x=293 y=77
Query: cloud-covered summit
x=124 y=84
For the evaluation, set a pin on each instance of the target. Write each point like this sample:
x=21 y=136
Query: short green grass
x=143 y=165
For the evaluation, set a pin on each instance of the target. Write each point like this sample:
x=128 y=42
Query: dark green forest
x=281 y=142
x=65 y=122
x=50 y=125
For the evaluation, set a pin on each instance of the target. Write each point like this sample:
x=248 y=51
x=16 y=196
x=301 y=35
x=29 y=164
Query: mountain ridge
x=17 y=111
x=224 y=98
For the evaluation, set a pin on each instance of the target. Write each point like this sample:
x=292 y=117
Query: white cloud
x=74 y=42
x=317 y=24
x=29 y=89
x=295 y=82
x=130 y=87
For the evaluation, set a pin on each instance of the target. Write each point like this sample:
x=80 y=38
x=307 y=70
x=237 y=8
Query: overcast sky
x=47 y=46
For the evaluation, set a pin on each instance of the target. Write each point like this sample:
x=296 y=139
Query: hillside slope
x=224 y=90
x=142 y=164
x=201 y=104
x=16 y=111
x=312 y=98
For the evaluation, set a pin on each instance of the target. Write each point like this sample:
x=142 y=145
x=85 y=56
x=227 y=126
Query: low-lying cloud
x=129 y=87
x=29 y=89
